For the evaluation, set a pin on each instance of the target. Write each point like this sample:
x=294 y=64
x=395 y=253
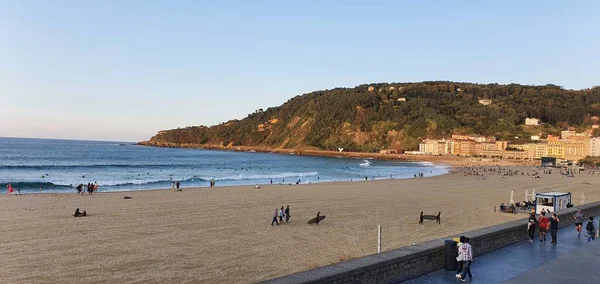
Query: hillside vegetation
x=369 y=118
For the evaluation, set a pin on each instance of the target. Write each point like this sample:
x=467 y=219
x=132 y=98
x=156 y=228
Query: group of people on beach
x=282 y=214
x=90 y=188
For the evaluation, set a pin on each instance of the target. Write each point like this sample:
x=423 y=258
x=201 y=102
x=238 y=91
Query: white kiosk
x=551 y=201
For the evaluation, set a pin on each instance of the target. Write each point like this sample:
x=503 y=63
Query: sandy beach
x=223 y=234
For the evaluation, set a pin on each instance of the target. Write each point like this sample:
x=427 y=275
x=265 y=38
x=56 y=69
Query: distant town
x=571 y=145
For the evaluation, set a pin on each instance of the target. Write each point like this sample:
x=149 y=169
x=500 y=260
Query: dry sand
x=223 y=234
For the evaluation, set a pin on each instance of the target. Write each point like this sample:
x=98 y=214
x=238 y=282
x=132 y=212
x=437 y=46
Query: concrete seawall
x=408 y=262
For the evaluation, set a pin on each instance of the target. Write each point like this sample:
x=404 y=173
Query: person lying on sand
x=79 y=214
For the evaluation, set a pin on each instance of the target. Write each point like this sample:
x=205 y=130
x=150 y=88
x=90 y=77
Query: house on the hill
x=401 y=99
x=532 y=121
x=485 y=102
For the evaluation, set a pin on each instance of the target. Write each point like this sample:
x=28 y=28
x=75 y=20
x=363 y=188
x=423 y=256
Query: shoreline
x=36 y=192
x=454 y=161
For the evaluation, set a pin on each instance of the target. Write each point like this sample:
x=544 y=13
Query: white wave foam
x=366 y=163
x=263 y=176
x=109 y=183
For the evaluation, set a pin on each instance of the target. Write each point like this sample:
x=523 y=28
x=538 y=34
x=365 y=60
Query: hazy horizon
x=121 y=71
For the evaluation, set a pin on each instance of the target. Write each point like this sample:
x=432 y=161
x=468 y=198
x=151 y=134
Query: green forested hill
x=372 y=117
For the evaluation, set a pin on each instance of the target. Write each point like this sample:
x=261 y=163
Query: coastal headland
x=224 y=234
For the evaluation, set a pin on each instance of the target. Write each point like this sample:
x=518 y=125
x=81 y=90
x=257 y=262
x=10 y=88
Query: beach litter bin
x=450 y=263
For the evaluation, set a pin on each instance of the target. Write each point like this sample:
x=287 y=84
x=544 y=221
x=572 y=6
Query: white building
x=535 y=138
x=435 y=147
x=401 y=99
x=532 y=121
x=485 y=102
x=428 y=147
x=566 y=134
x=595 y=146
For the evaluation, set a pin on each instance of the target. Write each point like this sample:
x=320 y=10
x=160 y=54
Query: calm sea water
x=59 y=165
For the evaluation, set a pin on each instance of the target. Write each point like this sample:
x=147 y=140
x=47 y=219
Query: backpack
x=589 y=227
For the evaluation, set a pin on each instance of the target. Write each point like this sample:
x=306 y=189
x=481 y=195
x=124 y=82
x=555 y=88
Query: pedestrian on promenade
x=467 y=254
x=459 y=257
x=591 y=229
x=543 y=226
x=531 y=226
x=554 y=227
x=275 y=218
x=578 y=221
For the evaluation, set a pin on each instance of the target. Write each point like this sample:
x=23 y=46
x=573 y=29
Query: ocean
x=60 y=165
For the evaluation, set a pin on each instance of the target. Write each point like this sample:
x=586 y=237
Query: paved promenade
x=578 y=266
x=523 y=260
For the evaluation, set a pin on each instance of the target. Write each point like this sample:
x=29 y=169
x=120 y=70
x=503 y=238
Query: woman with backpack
x=591 y=229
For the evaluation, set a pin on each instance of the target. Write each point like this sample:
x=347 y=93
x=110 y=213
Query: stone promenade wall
x=408 y=262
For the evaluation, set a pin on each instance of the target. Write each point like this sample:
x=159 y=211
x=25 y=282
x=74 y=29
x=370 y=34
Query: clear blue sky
x=122 y=70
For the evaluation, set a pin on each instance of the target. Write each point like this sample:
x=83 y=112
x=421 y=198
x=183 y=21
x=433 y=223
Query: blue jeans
x=467 y=270
x=591 y=236
x=459 y=267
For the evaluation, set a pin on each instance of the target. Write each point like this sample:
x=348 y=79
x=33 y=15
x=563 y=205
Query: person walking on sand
x=554 y=227
x=531 y=226
x=543 y=226
x=459 y=257
x=578 y=221
x=591 y=229
x=281 y=215
x=275 y=218
x=287 y=214
x=467 y=254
